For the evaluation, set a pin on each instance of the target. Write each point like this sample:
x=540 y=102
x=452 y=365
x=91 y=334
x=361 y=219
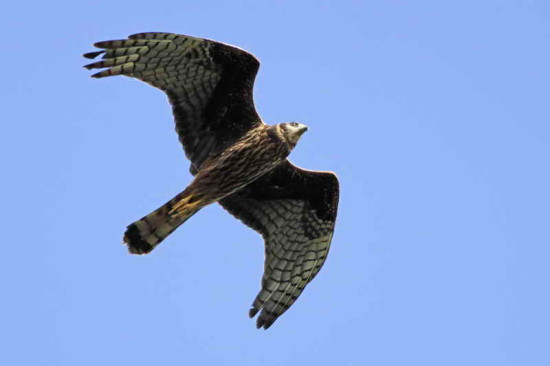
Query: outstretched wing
x=208 y=83
x=295 y=211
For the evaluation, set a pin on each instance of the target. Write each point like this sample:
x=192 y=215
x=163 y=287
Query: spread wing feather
x=208 y=83
x=295 y=211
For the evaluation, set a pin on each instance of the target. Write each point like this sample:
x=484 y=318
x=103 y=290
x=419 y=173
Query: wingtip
x=252 y=312
x=99 y=45
x=262 y=323
x=102 y=74
x=139 y=35
x=92 y=55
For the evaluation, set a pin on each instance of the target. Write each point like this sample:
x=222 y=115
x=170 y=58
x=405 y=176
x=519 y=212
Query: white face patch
x=293 y=131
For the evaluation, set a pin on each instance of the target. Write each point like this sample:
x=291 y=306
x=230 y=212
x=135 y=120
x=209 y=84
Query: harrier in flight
x=236 y=159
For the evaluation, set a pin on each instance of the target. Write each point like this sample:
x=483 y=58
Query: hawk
x=237 y=160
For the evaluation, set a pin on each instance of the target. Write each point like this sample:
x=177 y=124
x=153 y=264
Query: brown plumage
x=256 y=153
x=237 y=160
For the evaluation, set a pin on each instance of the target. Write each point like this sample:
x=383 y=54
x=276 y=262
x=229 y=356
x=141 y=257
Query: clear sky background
x=434 y=114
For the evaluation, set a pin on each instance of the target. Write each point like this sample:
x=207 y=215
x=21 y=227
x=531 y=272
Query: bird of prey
x=237 y=160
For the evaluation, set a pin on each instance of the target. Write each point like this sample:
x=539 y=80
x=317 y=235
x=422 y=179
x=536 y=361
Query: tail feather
x=146 y=233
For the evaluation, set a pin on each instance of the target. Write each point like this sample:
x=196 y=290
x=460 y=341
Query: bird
x=236 y=159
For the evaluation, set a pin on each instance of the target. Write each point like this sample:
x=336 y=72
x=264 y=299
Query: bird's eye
x=294 y=124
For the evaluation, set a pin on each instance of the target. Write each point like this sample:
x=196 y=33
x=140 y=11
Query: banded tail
x=145 y=234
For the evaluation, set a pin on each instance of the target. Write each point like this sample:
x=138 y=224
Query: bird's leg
x=186 y=206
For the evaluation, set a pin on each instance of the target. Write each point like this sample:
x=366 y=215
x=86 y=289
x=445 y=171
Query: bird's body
x=237 y=160
x=255 y=154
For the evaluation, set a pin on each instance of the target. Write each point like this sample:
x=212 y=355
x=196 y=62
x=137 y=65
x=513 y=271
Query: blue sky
x=434 y=115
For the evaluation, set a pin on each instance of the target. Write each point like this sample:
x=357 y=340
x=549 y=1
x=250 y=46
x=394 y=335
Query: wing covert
x=208 y=83
x=295 y=212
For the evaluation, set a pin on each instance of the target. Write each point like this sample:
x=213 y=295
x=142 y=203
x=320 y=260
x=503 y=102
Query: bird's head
x=291 y=132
